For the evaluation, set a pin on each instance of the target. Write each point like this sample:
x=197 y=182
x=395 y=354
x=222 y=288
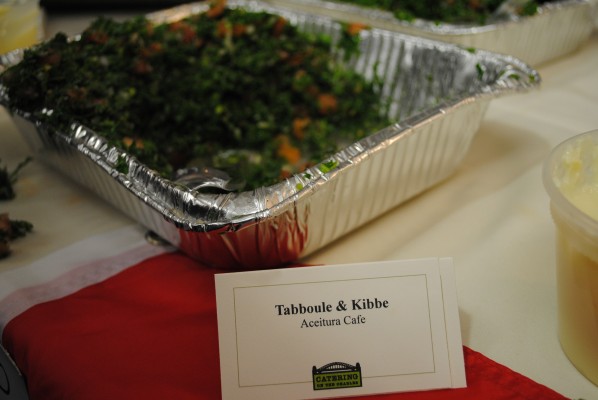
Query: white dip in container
x=571 y=180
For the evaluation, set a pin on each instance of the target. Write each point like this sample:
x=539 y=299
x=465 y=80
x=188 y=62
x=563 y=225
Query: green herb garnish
x=328 y=166
x=480 y=70
x=350 y=39
x=529 y=8
x=122 y=165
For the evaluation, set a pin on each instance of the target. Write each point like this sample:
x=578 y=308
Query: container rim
x=575 y=217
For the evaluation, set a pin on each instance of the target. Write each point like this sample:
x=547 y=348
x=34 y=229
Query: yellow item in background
x=20 y=24
x=571 y=179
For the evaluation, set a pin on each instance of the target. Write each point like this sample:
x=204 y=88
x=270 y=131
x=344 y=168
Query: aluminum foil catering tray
x=438 y=95
x=557 y=29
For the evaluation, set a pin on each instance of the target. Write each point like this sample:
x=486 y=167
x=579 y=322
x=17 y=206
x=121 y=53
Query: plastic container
x=571 y=180
x=20 y=24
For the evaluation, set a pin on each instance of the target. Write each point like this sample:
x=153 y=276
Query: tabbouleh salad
x=241 y=91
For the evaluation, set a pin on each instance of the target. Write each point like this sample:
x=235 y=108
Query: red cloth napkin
x=150 y=332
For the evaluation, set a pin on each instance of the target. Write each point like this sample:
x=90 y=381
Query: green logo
x=336 y=375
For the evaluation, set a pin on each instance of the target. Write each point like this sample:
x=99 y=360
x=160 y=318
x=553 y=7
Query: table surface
x=491 y=217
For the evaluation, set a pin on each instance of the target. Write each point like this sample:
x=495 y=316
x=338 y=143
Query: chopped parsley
x=480 y=70
x=244 y=92
x=328 y=166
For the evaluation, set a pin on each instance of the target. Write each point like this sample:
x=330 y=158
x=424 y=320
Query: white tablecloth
x=492 y=217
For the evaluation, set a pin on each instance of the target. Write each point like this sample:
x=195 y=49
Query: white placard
x=343 y=330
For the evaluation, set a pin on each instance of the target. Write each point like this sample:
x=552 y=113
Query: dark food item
x=448 y=11
x=11 y=230
x=244 y=92
x=8 y=179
